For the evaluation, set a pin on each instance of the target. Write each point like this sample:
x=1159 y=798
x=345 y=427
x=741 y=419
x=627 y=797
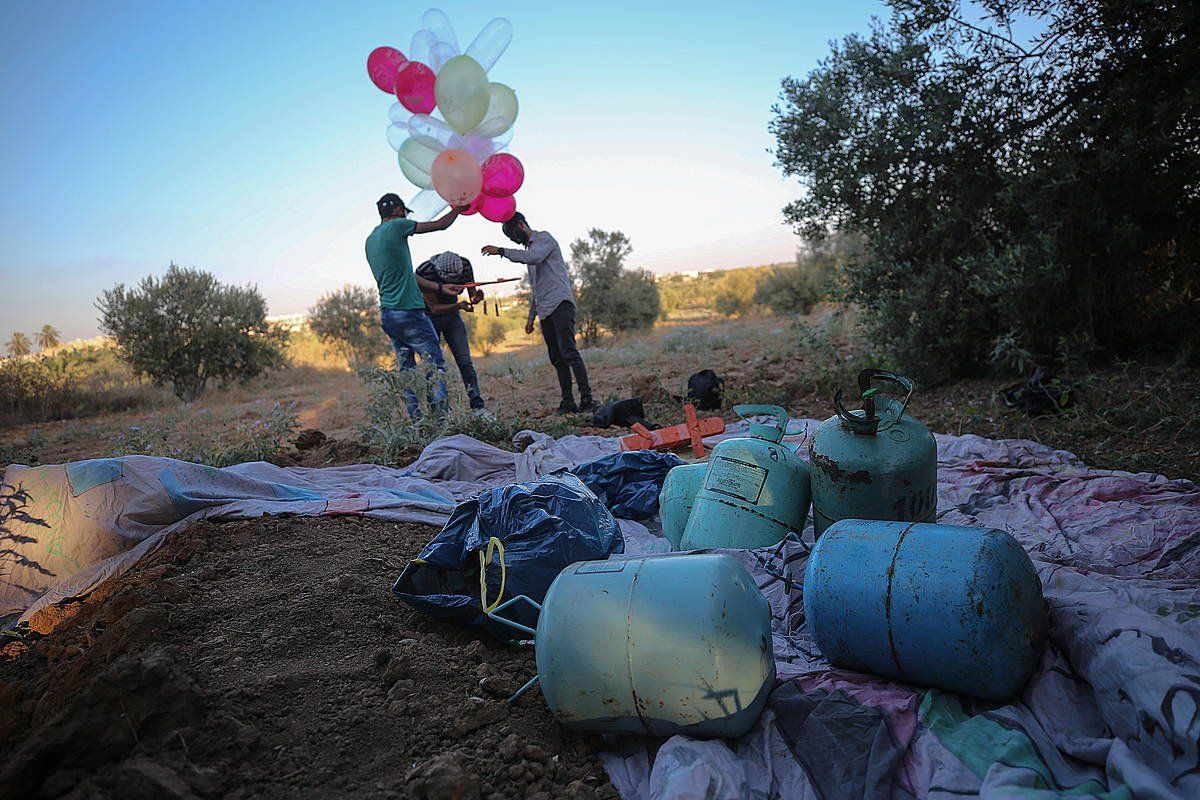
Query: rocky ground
x=267 y=658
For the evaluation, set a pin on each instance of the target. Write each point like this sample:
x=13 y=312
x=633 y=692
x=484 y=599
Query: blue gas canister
x=939 y=605
x=677 y=497
x=874 y=462
x=756 y=489
x=658 y=645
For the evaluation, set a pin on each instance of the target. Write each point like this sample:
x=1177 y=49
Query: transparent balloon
x=426 y=204
x=457 y=177
x=397 y=135
x=437 y=23
x=479 y=146
x=398 y=114
x=416 y=162
x=430 y=130
x=463 y=93
x=421 y=46
x=416 y=87
x=503 y=175
x=442 y=52
x=491 y=42
x=497 y=209
x=382 y=65
x=501 y=113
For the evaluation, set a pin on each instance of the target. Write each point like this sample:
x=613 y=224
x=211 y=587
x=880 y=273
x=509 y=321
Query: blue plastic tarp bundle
x=629 y=482
x=540 y=527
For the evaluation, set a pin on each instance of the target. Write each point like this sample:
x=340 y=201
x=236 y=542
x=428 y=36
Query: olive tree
x=187 y=328
x=348 y=321
x=611 y=296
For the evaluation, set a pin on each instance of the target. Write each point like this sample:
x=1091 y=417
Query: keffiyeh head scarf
x=448 y=265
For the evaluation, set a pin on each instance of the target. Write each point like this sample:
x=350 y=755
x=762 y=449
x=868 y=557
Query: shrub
x=70 y=383
x=736 y=292
x=611 y=296
x=186 y=329
x=347 y=320
x=486 y=332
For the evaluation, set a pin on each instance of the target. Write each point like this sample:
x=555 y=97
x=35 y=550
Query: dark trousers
x=452 y=328
x=558 y=329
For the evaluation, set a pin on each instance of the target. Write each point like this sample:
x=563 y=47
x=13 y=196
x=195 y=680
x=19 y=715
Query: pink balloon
x=473 y=206
x=502 y=175
x=414 y=87
x=456 y=177
x=382 y=66
x=498 y=209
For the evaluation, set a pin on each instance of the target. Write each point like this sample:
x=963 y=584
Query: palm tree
x=47 y=337
x=18 y=345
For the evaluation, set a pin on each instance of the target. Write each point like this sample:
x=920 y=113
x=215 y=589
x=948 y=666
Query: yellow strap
x=495 y=546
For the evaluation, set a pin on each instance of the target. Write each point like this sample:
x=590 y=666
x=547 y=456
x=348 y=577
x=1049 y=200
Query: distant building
x=289 y=322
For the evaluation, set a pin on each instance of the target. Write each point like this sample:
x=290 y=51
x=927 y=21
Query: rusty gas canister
x=874 y=462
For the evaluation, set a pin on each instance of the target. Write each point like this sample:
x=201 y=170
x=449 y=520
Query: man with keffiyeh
x=451 y=269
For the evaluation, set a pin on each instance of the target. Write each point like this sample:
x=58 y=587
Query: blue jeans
x=454 y=331
x=412 y=333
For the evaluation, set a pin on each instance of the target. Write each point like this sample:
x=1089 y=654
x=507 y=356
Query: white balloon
x=399 y=114
x=426 y=204
x=491 y=43
x=421 y=46
x=501 y=113
x=416 y=162
x=437 y=23
x=442 y=52
x=430 y=130
x=397 y=135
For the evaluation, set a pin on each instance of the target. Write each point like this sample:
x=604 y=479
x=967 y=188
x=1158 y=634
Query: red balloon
x=502 y=175
x=382 y=66
x=414 y=87
x=497 y=209
x=473 y=206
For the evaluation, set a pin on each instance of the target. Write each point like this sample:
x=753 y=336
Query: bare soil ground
x=268 y=659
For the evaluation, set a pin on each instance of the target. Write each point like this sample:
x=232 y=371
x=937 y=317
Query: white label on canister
x=735 y=478
x=600 y=566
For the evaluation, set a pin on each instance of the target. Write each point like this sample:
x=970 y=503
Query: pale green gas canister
x=755 y=489
x=875 y=462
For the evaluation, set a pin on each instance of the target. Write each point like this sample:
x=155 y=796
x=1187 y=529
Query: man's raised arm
x=536 y=253
x=438 y=224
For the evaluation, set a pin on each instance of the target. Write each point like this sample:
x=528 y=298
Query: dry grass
x=1133 y=417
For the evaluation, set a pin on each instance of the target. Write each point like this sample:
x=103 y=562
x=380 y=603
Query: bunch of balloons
x=459 y=158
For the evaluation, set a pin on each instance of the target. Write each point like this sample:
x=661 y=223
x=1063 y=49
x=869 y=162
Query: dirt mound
x=267 y=658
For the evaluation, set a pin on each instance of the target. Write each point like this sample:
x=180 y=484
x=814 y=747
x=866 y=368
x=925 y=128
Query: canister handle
x=494 y=614
x=760 y=431
x=868 y=423
x=867 y=377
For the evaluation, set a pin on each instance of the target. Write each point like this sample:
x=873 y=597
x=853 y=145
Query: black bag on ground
x=1043 y=393
x=519 y=537
x=704 y=390
x=629 y=482
x=623 y=413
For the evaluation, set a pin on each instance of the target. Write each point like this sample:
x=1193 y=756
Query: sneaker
x=588 y=405
x=567 y=407
x=483 y=413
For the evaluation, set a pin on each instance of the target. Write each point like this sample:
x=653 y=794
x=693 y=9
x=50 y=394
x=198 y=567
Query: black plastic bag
x=623 y=413
x=532 y=530
x=629 y=482
x=1043 y=393
x=704 y=389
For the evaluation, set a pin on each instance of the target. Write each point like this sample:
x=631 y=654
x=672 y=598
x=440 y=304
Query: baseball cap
x=389 y=204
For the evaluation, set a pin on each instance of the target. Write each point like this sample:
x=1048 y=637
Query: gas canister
x=675 y=501
x=755 y=489
x=874 y=462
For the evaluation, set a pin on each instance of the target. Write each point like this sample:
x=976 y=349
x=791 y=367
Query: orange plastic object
x=692 y=432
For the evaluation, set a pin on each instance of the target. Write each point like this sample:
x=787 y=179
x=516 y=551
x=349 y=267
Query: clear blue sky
x=246 y=138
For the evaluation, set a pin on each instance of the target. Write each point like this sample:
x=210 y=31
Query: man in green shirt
x=401 y=304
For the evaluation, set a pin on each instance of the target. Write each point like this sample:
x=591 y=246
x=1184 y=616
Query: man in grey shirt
x=552 y=300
